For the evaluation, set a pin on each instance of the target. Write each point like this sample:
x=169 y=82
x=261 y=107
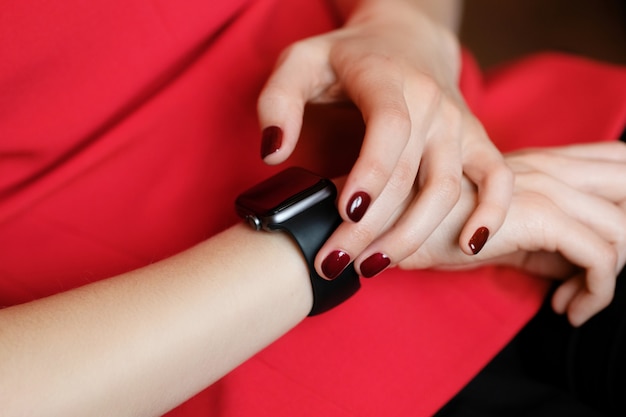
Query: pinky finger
x=586 y=294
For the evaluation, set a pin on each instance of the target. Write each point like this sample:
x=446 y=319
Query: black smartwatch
x=302 y=204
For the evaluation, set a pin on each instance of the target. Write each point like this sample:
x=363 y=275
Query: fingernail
x=271 y=140
x=374 y=265
x=357 y=205
x=479 y=239
x=334 y=263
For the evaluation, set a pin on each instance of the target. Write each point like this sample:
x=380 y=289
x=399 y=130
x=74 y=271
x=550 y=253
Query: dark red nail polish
x=271 y=140
x=334 y=263
x=357 y=205
x=374 y=265
x=479 y=239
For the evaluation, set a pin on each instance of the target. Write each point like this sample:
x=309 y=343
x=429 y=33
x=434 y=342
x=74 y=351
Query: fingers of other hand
x=596 y=171
x=602 y=151
x=589 y=232
x=597 y=168
x=301 y=74
x=548 y=223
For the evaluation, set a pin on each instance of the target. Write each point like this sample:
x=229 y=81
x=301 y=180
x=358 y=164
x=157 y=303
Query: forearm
x=143 y=342
x=445 y=12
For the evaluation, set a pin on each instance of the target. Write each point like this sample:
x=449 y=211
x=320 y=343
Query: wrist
x=301 y=204
x=446 y=13
x=279 y=267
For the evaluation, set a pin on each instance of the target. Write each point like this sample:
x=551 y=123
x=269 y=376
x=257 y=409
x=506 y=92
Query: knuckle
x=397 y=117
x=378 y=170
x=428 y=88
x=452 y=114
x=446 y=187
x=402 y=178
x=362 y=236
x=539 y=229
x=361 y=69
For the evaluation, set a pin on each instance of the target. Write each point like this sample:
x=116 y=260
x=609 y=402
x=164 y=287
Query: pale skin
x=398 y=61
x=572 y=205
x=114 y=347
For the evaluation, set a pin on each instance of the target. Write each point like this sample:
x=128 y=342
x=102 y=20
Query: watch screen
x=279 y=191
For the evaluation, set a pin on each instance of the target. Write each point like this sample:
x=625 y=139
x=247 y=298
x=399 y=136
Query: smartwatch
x=302 y=204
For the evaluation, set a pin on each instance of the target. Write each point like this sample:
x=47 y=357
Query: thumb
x=301 y=74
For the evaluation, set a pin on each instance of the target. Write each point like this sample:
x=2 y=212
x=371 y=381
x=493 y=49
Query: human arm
x=398 y=62
x=143 y=342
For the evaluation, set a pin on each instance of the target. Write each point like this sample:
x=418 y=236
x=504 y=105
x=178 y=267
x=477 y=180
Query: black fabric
x=553 y=369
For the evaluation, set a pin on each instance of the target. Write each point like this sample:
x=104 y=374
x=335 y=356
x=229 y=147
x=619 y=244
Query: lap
x=551 y=368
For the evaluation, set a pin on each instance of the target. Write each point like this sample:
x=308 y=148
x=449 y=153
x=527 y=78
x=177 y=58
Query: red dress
x=127 y=129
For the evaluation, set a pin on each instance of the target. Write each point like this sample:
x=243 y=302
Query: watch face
x=283 y=196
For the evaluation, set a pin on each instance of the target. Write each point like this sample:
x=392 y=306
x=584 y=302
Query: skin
x=115 y=347
x=398 y=62
x=201 y=313
x=576 y=234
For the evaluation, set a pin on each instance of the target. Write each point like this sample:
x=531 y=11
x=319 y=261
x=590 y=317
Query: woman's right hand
x=399 y=63
x=567 y=221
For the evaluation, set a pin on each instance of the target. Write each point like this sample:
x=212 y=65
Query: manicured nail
x=271 y=140
x=374 y=265
x=357 y=205
x=479 y=239
x=334 y=263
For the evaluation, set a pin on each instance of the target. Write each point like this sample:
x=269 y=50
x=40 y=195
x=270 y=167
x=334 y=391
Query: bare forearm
x=143 y=342
x=446 y=12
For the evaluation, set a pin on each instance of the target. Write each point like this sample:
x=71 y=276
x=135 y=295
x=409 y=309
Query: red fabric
x=127 y=129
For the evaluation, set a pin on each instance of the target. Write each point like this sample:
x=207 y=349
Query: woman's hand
x=567 y=221
x=400 y=67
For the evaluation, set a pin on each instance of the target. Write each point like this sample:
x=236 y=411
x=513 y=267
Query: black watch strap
x=310 y=230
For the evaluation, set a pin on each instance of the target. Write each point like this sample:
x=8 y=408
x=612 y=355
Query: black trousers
x=553 y=369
